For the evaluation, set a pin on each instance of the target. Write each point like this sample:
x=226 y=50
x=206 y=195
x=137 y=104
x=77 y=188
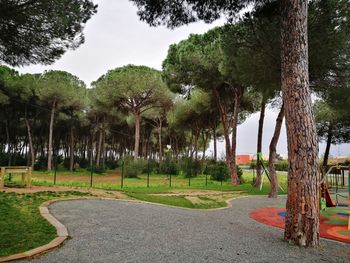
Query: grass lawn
x=158 y=183
x=22 y=226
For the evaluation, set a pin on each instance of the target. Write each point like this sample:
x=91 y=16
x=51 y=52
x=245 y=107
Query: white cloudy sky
x=115 y=37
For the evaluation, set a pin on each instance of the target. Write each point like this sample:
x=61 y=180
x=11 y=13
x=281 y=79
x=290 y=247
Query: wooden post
x=29 y=175
x=22 y=182
x=2 y=178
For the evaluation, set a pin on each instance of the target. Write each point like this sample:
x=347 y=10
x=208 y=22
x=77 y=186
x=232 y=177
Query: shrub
x=190 y=167
x=133 y=169
x=169 y=167
x=150 y=166
x=219 y=171
x=281 y=165
x=41 y=163
x=97 y=169
x=111 y=164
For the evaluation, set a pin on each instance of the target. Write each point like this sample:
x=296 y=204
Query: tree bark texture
x=231 y=163
x=137 y=134
x=49 y=150
x=302 y=216
x=273 y=154
x=160 y=141
x=236 y=109
x=71 y=149
x=99 y=146
x=259 y=143
x=30 y=141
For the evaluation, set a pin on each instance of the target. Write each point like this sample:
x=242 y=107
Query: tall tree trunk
x=236 y=109
x=160 y=141
x=99 y=146
x=49 y=149
x=328 y=146
x=205 y=140
x=259 y=143
x=30 y=140
x=71 y=149
x=137 y=134
x=302 y=216
x=231 y=163
x=273 y=153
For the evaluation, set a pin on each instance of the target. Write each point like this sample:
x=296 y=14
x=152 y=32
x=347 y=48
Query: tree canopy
x=41 y=31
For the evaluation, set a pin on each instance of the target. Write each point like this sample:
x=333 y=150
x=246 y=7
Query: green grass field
x=158 y=183
x=22 y=226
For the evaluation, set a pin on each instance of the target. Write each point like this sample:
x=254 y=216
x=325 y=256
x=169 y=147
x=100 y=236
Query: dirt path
x=95 y=192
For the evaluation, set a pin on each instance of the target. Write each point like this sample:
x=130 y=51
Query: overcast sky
x=115 y=37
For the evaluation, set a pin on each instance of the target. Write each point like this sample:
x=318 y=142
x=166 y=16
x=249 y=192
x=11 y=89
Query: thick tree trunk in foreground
x=302 y=216
x=273 y=154
x=328 y=146
x=137 y=134
x=259 y=143
x=49 y=149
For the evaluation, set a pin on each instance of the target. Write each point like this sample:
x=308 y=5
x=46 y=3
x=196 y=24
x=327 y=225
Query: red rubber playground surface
x=334 y=221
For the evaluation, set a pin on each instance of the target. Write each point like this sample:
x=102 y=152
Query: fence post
x=55 y=172
x=148 y=173
x=169 y=180
x=2 y=179
x=206 y=179
x=122 y=181
x=29 y=176
x=91 y=173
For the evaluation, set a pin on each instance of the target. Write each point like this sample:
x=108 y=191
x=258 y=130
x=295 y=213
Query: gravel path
x=121 y=231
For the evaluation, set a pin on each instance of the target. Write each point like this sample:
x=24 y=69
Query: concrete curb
x=62 y=235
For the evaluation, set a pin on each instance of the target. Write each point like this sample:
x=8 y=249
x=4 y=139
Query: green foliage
x=132 y=168
x=190 y=167
x=97 y=169
x=219 y=171
x=41 y=31
x=20 y=214
x=150 y=166
x=281 y=165
x=169 y=167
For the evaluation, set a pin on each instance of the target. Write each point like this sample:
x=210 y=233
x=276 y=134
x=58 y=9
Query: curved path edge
x=62 y=231
x=62 y=235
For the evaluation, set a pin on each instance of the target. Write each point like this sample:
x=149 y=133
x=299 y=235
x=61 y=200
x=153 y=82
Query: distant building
x=243 y=159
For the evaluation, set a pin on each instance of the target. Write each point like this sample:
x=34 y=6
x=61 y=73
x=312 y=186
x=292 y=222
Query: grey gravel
x=121 y=231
